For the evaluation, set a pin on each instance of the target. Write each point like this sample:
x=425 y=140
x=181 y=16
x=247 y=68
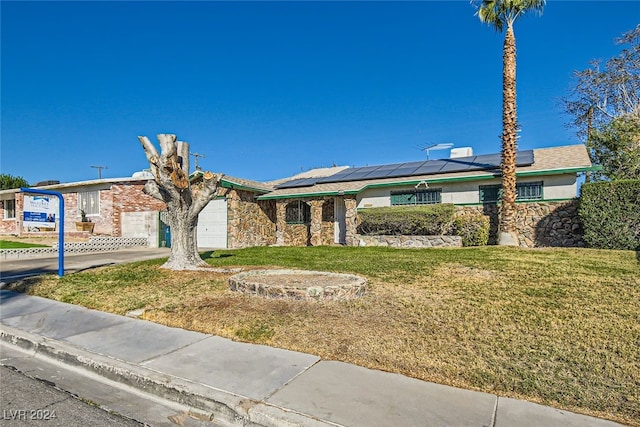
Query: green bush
x=473 y=228
x=610 y=214
x=427 y=220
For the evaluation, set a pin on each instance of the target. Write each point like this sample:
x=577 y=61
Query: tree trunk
x=184 y=246
x=171 y=185
x=508 y=234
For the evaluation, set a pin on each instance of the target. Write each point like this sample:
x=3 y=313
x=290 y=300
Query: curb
x=211 y=403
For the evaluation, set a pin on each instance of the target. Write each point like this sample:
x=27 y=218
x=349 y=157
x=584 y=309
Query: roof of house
x=245 y=184
x=312 y=173
x=79 y=184
x=545 y=161
x=266 y=187
x=335 y=180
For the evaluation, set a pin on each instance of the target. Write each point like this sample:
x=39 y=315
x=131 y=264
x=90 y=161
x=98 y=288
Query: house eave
x=225 y=183
x=419 y=180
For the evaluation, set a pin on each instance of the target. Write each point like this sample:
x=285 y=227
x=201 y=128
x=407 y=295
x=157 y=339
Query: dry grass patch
x=558 y=326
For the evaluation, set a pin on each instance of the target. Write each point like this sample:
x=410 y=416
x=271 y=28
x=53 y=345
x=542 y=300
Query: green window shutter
x=407 y=198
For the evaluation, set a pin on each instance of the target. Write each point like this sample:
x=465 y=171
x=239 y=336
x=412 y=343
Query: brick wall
x=128 y=197
x=10 y=226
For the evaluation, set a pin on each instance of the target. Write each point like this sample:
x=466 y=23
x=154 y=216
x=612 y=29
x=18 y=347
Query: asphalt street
x=36 y=391
x=29 y=401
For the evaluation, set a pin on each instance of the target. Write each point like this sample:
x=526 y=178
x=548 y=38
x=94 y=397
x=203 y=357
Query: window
x=529 y=191
x=89 y=202
x=9 y=209
x=490 y=193
x=298 y=212
x=524 y=191
x=416 y=197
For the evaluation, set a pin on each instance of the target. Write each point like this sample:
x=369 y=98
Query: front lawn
x=6 y=244
x=556 y=326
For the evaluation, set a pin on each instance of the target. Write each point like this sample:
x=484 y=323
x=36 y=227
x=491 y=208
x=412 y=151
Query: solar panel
x=405 y=169
x=489 y=160
x=336 y=177
x=358 y=175
x=381 y=172
x=524 y=158
x=428 y=167
x=455 y=166
x=295 y=183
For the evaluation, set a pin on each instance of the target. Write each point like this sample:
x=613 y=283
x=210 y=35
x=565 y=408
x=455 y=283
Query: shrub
x=610 y=214
x=473 y=228
x=427 y=220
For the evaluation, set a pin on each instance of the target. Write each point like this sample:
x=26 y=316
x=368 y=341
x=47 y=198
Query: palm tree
x=500 y=14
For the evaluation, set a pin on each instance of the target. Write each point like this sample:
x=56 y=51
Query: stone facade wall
x=322 y=212
x=351 y=221
x=297 y=235
x=410 y=241
x=249 y=223
x=539 y=224
x=328 y=227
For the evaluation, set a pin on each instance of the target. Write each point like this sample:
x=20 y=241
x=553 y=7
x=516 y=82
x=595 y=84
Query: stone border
x=307 y=285
x=410 y=241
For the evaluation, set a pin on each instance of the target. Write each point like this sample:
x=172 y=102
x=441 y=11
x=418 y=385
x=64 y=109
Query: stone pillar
x=281 y=221
x=351 y=217
x=315 y=230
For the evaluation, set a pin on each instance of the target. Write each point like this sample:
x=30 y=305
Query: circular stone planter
x=299 y=284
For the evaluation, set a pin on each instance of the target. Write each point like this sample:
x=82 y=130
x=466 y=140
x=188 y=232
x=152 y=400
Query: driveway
x=16 y=269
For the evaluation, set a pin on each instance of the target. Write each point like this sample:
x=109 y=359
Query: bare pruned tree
x=606 y=97
x=171 y=184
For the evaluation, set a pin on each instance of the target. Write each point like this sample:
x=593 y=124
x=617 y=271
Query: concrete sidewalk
x=251 y=385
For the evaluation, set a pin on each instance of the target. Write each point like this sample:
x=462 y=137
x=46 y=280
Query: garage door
x=212 y=225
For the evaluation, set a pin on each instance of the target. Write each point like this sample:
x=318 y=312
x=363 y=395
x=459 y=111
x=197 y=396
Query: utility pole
x=99 y=170
x=196 y=155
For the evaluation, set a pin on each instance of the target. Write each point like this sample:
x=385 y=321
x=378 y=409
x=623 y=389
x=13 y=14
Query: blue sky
x=269 y=89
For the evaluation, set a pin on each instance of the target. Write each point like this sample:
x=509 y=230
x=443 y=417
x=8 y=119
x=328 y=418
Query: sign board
x=39 y=212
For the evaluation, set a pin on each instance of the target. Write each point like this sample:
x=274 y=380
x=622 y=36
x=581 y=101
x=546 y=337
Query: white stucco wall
x=559 y=186
x=467 y=192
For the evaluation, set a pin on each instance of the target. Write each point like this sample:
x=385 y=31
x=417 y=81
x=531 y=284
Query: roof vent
x=461 y=152
x=143 y=174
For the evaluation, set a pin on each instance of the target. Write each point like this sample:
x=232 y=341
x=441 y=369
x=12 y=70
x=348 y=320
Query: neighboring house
x=117 y=207
x=320 y=207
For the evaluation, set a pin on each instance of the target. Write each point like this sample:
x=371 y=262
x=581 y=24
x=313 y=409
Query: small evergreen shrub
x=473 y=228
x=426 y=220
x=610 y=214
